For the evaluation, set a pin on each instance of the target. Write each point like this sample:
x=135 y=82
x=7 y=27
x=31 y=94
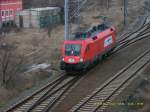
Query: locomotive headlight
x=63 y=59
x=81 y=59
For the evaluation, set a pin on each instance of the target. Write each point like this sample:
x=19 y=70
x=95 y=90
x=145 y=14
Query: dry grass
x=29 y=41
x=23 y=83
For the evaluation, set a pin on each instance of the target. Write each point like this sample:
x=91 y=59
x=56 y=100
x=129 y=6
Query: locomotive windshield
x=72 y=49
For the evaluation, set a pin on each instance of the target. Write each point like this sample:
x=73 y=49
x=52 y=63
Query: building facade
x=8 y=10
x=39 y=17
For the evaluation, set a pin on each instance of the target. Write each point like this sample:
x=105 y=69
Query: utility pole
x=72 y=10
x=107 y=3
x=125 y=12
x=78 y=19
x=66 y=10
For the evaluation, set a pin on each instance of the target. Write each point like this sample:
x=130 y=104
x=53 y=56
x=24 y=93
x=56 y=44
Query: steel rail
x=26 y=99
x=127 y=44
x=62 y=89
x=130 y=42
x=50 y=105
x=139 y=30
x=112 y=85
x=143 y=24
x=139 y=36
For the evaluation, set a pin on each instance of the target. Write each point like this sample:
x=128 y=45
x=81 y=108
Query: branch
x=146 y=7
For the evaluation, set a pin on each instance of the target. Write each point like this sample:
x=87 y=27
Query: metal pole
x=66 y=10
x=107 y=4
x=78 y=14
x=125 y=12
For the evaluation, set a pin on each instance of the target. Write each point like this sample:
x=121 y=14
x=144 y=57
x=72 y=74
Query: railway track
x=112 y=87
x=45 y=98
x=144 y=24
x=143 y=33
x=101 y=96
x=126 y=43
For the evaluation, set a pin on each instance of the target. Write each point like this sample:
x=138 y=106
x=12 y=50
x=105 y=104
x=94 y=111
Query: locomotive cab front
x=72 y=56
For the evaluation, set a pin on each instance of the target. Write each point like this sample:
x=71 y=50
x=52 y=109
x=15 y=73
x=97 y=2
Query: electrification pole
x=72 y=11
x=66 y=10
x=125 y=12
x=78 y=19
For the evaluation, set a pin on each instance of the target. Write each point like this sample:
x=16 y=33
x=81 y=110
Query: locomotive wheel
x=109 y=53
x=104 y=56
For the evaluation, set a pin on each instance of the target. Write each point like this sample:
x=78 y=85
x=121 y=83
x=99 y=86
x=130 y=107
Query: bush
x=11 y=65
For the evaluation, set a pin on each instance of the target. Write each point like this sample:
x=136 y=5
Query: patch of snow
x=38 y=66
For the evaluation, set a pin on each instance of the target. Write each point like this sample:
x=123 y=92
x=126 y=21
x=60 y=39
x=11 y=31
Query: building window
x=2 y=13
x=18 y=9
x=11 y=12
x=6 y=13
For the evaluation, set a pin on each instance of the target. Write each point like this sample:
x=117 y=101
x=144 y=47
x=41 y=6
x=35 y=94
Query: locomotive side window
x=7 y=13
x=11 y=12
x=72 y=49
x=2 y=13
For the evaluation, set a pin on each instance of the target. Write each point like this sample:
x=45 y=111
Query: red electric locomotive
x=87 y=48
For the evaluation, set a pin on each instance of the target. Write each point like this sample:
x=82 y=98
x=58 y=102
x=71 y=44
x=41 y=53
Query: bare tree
x=11 y=64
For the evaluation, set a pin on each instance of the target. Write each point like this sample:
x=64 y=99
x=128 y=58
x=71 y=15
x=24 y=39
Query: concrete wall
x=39 y=17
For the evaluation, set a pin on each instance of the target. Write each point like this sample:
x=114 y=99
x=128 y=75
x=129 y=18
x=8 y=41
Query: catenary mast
x=72 y=11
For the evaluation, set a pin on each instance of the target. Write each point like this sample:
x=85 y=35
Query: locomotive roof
x=91 y=33
x=91 y=38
